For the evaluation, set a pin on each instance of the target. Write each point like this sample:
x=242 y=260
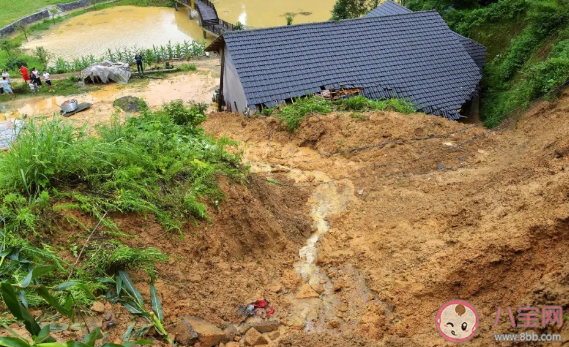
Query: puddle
x=197 y=87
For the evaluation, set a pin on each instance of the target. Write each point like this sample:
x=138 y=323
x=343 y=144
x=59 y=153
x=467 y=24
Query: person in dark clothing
x=139 y=65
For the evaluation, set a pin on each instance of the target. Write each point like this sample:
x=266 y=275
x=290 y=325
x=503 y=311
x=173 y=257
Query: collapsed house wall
x=233 y=92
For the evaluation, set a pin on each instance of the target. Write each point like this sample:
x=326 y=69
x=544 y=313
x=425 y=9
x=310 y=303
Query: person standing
x=7 y=75
x=7 y=88
x=24 y=73
x=139 y=65
x=47 y=79
x=36 y=78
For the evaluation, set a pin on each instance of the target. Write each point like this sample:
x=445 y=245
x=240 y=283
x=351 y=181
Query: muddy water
x=263 y=13
x=129 y=26
x=118 y=27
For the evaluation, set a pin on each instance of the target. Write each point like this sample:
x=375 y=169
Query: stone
x=318 y=289
x=274 y=335
x=208 y=334
x=93 y=322
x=98 y=307
x=275 y=288
x=255 y=338
x=263 y=325
x=334 y=323
x=343 y=308
x=183 y=333
x=130 y=104
x=108 y=315
x=242 y=328
x=232 y=344
x=306 y=292
x=338 y=285
x=230 y=332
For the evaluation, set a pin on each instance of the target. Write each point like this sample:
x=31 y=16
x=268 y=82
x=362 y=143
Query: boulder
x=230 y=332
x=232 y=344
x=274 y=335
x=183 y=333
x=263 y=325
x=255 y=338
x=98 y=307
x=208 y=334
x=130 y=104
x=306 y=292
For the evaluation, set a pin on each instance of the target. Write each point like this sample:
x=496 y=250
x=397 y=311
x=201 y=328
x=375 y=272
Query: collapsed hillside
x=406 y=212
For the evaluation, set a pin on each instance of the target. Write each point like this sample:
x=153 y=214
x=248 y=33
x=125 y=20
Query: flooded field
x=124 y=26
x=127 y=26
x=263 y=13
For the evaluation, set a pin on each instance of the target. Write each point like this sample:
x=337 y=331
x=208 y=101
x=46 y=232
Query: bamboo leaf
x=51 y=344
x=76 y=344
x=23 y=298
x=131 y=307
x=129 y=286
x=126 y=336
x=90 y=339
x=19 y=311
x=13 y=342
x=44 y=293
x=44 y=334
x=66 y=285
x=137 y=342
x=156 y=303
x=35 y=273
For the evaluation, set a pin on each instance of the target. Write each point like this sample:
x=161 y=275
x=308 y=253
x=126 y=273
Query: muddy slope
x=440 y=210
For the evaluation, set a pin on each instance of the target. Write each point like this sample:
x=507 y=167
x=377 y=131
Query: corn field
x=154 y=55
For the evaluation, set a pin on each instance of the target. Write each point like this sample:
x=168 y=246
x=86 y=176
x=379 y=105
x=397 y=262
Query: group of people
x=34 y=80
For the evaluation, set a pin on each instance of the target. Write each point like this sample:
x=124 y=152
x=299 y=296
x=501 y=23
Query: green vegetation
x=527 y=41
x=14 y=10
x=159 y=163
x=289 y=20
x=292 y=115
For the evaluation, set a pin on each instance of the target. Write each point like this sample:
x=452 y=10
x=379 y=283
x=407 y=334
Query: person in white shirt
x=47 y=79
x=7 y=75
x=6 y=85
x=32 y=86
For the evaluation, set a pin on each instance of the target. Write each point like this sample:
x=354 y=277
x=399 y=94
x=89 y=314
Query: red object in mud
x=270 y=313
x=260 y=304
x=264 y=304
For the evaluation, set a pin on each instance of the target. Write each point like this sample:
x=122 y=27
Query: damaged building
x=391 y=52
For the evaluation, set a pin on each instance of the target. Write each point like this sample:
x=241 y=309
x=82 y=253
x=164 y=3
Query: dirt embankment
x=426 y=211
x=441 y=211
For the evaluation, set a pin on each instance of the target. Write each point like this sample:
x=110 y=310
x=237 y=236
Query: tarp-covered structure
x=9 y=131
x=106 y=71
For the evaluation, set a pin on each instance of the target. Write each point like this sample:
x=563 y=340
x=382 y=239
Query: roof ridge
x=371 y=18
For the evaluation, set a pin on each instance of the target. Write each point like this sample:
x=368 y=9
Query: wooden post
x=176 y=5
x=221 y=98
x=204 y=34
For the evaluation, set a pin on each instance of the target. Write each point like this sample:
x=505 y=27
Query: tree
x=344 y=9
x=7 y=46
x=53 y=12
x=23 y=29
x=289 y=20
x=43 y=55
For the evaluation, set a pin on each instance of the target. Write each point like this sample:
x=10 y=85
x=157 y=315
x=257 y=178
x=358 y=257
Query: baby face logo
x=457 y=321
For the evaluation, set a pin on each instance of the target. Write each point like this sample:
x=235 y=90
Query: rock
x=183 y=333
x=274 y=335
x=208 y=334
x=334 y=323
x=130 y=104
x=98 y=307
x=343 y=308
x=306 y=292
x=275 y=288
x=242 y=329
x=255 y=338
x=263 y=325
x=232 y=344
x=108 y=315
x=338 y=285
x=230 y=332
x=318 y=289
x=93 y=322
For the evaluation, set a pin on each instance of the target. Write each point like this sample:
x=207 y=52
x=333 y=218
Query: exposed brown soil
x=438 y=210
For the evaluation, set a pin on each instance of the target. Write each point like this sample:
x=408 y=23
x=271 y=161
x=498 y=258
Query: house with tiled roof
x=392 y=53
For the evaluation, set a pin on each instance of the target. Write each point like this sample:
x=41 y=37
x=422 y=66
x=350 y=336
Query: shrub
x=14 y=64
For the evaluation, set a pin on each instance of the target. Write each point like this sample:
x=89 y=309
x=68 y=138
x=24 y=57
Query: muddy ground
x=362 y=247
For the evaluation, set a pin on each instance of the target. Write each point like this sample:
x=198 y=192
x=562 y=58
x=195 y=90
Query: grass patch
x=188 y=67
x=292 y=115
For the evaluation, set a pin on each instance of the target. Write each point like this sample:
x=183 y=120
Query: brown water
x=114 y=28
x=128 y=26
x=267 y=13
